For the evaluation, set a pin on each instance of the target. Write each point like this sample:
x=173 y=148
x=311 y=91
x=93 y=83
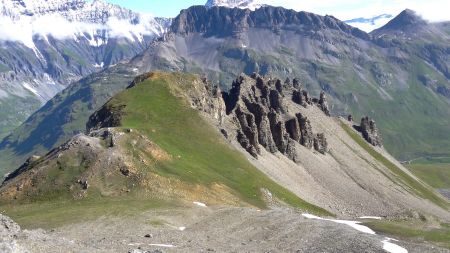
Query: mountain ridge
x=312 y=57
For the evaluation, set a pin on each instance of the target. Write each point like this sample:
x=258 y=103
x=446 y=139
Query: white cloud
x=370 y=26
x=16 y=31
x=123 y=28
x=24 y=29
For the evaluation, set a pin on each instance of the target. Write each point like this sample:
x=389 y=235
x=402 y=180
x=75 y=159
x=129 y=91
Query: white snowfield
x=353 y=224
x=387 y=245
x=391 y=247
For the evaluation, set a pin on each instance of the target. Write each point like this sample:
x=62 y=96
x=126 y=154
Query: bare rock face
x=302 y=97
x=279 y=133
x=297 y=97
x=207 y=98
x=249 y=130
x=293 y=128
x=323 y=104
x=258 y=106
x=369 y=131
x=320 y=143
x=245 y=143
x=307 y=138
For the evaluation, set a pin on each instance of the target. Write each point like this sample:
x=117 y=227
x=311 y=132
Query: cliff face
x=223 y=22
x=259 y=108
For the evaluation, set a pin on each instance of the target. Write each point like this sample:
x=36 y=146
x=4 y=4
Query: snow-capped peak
x=17 y=8
x=22 y=20
x=244 y=4
x=97 y=11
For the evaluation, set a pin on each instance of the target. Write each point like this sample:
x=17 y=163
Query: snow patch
x=353 y=224
x=101 y=65
x=387 y=245
x=162 y=245
x=30 y=88
x=391 y=247
x=371 y=217
x=199 y=204
x=154 y=244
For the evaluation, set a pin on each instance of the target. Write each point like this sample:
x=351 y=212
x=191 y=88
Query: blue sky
x=162 y=8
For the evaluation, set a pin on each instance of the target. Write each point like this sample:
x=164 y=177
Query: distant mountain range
x=363 y=23
x=46 y=45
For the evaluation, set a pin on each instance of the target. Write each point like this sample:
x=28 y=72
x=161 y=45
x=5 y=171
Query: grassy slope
x=416 y=230
x=435 y=174
x=52 y=214
x=416 y=187
x=205 y=158
x=201 y=156
x=11 y=117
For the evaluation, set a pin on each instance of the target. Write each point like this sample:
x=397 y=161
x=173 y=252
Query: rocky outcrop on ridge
x=259 y=107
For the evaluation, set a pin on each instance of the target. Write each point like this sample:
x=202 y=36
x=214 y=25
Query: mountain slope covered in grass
x=161 y=151
x=172 y=139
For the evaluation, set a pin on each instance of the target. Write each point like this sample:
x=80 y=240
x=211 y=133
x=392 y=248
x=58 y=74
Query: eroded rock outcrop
x=259 y=108
x=369 y=130
x=320 y=143
x=323 y=104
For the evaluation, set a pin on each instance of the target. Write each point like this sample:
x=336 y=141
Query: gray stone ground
x=199 y=229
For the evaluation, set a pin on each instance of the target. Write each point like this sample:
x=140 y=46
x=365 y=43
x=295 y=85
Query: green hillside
x=152 y=108
x=199 y=156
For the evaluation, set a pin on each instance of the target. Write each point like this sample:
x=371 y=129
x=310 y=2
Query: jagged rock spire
x=263 y=118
